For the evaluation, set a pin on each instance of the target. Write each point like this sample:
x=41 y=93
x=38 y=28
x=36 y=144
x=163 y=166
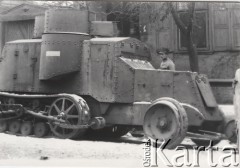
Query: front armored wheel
x=74 y=111
x=166 y=120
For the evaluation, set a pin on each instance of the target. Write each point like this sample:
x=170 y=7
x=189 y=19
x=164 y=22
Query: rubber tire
x=41 y=129
x=205 y=143
x=183 y=120
x=26 y=128
x=3 y=126
x=14 y=126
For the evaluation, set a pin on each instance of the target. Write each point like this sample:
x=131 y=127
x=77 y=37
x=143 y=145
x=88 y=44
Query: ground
x=125 y=152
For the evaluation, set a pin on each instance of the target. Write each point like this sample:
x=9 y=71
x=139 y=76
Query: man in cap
x=167 y=63
x=236 y=99
x=236 y=87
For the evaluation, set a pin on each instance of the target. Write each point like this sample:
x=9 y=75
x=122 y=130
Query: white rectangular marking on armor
x=53 y=53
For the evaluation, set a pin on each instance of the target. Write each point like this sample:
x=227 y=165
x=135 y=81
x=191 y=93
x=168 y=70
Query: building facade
x=216 y=35
x=18 y=22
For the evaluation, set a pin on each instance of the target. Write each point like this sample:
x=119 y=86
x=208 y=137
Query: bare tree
x=68 y=4
x=187 y=31
x=159 y=13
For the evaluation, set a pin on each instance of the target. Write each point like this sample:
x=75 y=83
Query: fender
x=195 y=117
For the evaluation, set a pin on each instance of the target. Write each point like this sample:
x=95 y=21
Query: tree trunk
x=186 y=30
x=192 y=51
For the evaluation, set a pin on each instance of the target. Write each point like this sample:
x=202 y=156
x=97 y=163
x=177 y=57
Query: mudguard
x=206 y=91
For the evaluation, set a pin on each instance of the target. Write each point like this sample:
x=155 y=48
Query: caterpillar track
x=65 y=115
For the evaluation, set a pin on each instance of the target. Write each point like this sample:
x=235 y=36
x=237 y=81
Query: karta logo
x=156 y=153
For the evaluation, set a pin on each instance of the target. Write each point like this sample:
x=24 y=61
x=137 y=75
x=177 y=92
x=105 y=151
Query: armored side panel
x=19 y=65
x=39 y=26
x=98 y=69
x=105 y=74
x=205 y=90
x=61 y=54
x=62 y=20
x=104 y=28
x=126 y=76
x=187 y=91
x=150 y=85
x=133 y=54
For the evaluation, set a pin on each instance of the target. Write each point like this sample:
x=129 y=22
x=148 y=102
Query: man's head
x=162 y=54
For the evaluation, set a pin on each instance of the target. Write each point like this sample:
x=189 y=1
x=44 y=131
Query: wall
x=218 y=65
x=219 y=60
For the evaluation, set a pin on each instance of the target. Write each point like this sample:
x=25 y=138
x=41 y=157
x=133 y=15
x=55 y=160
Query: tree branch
x=191 y=8
x=177 y=19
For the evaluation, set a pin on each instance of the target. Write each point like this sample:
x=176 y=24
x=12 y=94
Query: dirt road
x=50 y=151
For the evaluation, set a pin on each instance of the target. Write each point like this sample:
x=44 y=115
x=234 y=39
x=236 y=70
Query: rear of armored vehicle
x=39 y=78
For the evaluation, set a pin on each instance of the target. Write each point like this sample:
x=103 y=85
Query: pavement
x=128 y=151
x=125 y=152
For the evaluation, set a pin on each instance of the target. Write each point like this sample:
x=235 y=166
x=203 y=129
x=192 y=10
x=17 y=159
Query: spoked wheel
x=41 y=129
x=26 y=128
x=166 y=120
x=14 y=126
x=73 y=111
x=3 y=126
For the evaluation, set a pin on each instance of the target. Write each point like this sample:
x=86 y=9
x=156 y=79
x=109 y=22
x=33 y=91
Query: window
x=200 y=31
x=226 y=27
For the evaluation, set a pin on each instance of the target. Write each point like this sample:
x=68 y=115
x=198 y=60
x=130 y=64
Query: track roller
x=41 y=129
x=26 y=128
x=14 y=126
x=3 y=126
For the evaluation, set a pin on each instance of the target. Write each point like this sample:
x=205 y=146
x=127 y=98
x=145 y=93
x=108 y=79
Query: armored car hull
x=71 y=82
